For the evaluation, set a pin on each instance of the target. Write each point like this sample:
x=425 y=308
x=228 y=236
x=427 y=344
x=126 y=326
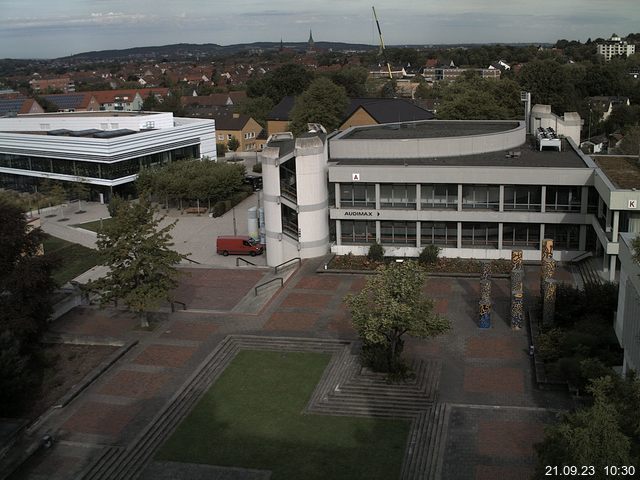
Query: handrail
x=238 y=259
x=582 y=256
x=298 y=259
x=255 y=290
x=192 y=261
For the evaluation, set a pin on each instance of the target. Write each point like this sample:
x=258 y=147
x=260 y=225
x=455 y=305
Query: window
x=398 y=195
x=563 y=199
x=290 y=222
x=398 y=233
x=526 y=235
x=221 y=137
x=444 y=234
x=355 y=232
x=522 y=197
x=485 y=197
x=565 y=236
x=480 y=235
x=288 y=187
x=229 y=136
x=357 y=195
x=444 y=196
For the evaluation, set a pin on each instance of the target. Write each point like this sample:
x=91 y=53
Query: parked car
x=238 y=246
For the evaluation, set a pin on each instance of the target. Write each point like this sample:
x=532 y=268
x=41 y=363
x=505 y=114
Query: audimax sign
x=361 y=213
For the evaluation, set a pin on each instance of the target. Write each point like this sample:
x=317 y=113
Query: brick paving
x=130 y=383
x=99 y=418
x=479 y=367
x=165 y=355
x=493 y=380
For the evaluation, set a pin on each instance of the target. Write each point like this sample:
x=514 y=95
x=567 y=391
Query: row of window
x=445 y=196
x=109 y=171
x=445 y=234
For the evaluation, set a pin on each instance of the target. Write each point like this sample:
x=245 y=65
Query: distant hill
x=207 y=49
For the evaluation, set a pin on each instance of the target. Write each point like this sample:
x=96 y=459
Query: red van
x=238 y=246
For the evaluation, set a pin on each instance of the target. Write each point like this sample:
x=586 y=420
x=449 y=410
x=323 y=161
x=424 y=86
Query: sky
x=54 y=28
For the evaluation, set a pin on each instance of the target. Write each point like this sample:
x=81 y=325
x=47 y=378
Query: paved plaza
x=491 y=415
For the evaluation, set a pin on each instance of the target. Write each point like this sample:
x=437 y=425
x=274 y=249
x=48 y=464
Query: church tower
x=311 y=47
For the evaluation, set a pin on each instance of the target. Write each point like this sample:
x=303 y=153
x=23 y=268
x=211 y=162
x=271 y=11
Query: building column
x=584 y=200
x=378 y=204
x=459 y=239
x=459 y=198
x=378 y=231
x=418 y=234
x=582 y=239
x=612 y=268
x=541 y=235
x=607 y=221
x=500 y=230
x=418 y=197
x=543 y=203
x=337 y=194
x=338 y=232
x=501 y=201
x=616 y=225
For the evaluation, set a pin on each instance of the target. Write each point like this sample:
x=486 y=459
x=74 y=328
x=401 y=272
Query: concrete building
x=106 y=150
x=614 y=47
x=627 y=322
x=475 y=188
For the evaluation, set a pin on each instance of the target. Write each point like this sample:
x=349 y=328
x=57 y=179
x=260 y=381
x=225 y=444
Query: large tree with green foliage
x=142 y=265
x=289 y=79
x=323 y=102
x=257 y=108
x=391 y=305
x=595 y=435
x=473 y=98
x=26 y=286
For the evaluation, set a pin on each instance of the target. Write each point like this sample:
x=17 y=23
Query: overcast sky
x=53 y=28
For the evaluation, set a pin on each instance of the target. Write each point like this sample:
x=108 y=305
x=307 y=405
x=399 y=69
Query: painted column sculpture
x=485 y=297
x=517 y=290
x=547 y=284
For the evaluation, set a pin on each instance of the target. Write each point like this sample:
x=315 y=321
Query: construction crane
x=382 y=50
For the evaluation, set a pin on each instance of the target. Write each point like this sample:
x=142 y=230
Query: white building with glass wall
x=105 y=150
x=475 y=188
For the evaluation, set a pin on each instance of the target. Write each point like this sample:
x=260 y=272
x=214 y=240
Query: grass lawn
x=95 y=225
x=252 y=418
x=74 y=259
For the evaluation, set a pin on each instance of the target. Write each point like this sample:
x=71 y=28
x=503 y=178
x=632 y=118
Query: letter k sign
x=633 y=204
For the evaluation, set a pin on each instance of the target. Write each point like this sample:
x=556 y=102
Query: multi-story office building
x=106 y=150
x=627 y=323
x=475 y=188
x=615 y=46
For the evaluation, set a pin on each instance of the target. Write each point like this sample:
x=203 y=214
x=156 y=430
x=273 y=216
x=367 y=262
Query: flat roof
x=529 y=156
x=101 y=113
x=429 y=129
x=624 y=172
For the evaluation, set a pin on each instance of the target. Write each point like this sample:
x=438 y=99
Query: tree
x=549 y=84
x=636 y=247
x=590 y=436
x=26 y=285
x=142 y=266
x=353 y=79
x=323 y=102
x=233 y=144
x=257 y=108
x=391 y=305
x=473 y=98
x=289 y=79
x=630 y=144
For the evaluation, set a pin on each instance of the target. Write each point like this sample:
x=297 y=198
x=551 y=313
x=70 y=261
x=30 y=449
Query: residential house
x=127 y=100
x=64 y=84
x=74 y=102
x=361 y=111
x=15 y=106
x=606 y=104
x=244 y=128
